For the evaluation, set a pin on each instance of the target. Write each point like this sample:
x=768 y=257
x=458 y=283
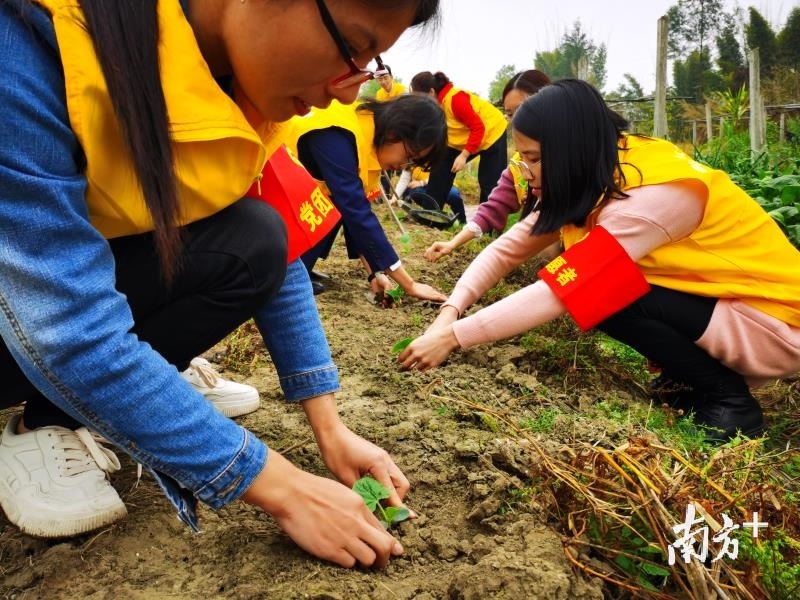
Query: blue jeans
x=295 y=339
x=453 y=200
x=69 y=329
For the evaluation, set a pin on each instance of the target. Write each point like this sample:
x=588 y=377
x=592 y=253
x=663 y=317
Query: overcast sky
x=477 y=37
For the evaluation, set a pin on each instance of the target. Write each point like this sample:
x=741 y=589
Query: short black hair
x=579 y=137
x=416 y=121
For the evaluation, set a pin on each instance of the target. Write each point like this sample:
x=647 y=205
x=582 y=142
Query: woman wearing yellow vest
x=475 y=127
x=663 y=254
x=511 y=190
x=128 y=250
x=347 y=147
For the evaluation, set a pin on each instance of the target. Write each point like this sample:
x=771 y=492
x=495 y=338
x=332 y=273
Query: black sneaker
x=320 y=277
x=318 y=287
x=726 y=416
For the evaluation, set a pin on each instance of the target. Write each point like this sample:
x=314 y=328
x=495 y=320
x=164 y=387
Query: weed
x=541 y=423
x=778 y=561
x=241 y=349
x=518 y=498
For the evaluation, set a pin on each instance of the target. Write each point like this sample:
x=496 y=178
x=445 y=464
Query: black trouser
x=663 y=325
x=493 y=161
x=231 y=264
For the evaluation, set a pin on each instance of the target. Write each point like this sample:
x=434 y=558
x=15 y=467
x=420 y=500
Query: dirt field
x=483 y=531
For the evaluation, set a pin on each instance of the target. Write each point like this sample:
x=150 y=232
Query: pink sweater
x=746 y=340
x=492 y=215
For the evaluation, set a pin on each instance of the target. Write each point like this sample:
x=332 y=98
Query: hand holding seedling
x=322 y=516
x=373 y=493
x=348 y=455
x=429 y=350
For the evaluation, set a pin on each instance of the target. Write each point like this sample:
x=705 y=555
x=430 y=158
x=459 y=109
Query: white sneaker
x=230 y=398
x=53 y=481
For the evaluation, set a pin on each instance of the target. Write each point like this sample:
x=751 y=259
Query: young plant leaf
x=396 y=514
x=371 y=491
x=401 y=345
x=395 y=293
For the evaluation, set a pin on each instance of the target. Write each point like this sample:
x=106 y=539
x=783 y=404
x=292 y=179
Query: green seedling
x=395 y=293
x=373 y=492
x=401 y=345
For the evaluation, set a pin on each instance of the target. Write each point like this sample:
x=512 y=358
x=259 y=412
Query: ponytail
x=125 y=34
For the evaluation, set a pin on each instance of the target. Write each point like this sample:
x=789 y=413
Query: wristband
x=373 y=275
x=595 y=278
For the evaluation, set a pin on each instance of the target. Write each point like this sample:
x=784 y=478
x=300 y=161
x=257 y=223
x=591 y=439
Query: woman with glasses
x=475 y=127
x=347 y=147
x=128 y=250
x=511 y=190
x=662 y=253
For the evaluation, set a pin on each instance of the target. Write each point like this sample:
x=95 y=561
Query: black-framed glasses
x=525 y=169
x=356 y=75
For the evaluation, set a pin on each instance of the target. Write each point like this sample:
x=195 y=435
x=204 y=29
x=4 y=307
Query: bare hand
x=350 y=457
x=459 y=163
x=437 y=250
x=322 y=516
x=423 y=291
x=429 y=350
x=380 y=285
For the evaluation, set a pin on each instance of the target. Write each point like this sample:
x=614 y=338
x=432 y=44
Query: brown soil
x=484 y=532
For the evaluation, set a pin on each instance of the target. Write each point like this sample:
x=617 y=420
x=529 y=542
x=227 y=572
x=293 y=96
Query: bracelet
x=373 y=275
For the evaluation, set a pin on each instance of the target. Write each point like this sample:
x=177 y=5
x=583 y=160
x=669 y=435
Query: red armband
x=308 y=213
x=595 y=278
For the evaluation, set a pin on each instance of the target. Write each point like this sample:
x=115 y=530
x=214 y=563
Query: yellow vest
x=458 y=133
x=344 y=116
x=398 y=89
x=217 y=154
x=737 y=251
x=520 y=183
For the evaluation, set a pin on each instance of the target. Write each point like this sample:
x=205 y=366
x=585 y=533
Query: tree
x=789 y=41
x=627 y=100
x=564 y=60
x=631 y=89
x=369 y=89
x=692 y=23
x=759 y=34
x=730 y=59
x=694 y=78
x=502 y=77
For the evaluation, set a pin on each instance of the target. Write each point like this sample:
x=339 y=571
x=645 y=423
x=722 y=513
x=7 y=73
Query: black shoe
x=318 y=287
x=675 y=394
x=728 y=415
x=320 y=277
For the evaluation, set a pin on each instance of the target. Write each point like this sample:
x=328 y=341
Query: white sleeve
x=402 y=183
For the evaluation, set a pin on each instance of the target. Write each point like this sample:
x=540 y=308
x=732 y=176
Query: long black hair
x=416 y=121
x=125 y=35
x=579 y=137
